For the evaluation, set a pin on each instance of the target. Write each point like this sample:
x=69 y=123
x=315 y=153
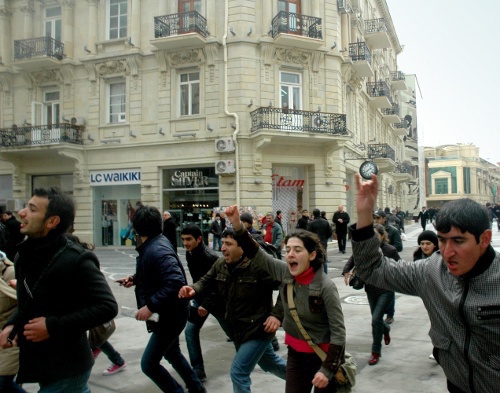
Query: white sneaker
x=431 y=356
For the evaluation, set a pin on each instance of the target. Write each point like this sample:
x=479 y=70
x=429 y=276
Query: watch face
x=367 y=169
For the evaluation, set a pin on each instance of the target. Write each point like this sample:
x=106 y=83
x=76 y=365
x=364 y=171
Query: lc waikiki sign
x=115 y=177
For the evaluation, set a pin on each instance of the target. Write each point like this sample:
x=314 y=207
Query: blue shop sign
x=115 y=177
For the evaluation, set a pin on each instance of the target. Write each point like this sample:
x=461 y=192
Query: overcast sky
x=453 y=46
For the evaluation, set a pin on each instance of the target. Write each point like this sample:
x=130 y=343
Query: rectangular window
x=117 y=102
x=117 y=19
x=441 y=186
x=53 y=23
x=291 y=90
x=190 y=93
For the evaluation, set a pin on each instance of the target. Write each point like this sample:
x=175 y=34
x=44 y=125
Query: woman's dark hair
x=76 y=239
x=60 y=204
x=380 y=229
x=147 y=221
x=311 y=243
x=466 y=215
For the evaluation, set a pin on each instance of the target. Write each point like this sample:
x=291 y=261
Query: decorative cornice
x=67 y=74
x=68 y=3
x=5 y=13
x=45 y=76
x=268 y=51
x=162 y=59
x=90 y=67
x=317 y=57
x=133 y=63
x=293 y=56
x=186 y=56
x=210 y=54
x=28 y=9
x=112 y=67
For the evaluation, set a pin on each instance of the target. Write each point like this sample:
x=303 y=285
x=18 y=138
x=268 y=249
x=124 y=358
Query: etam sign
x=115 y=177
x=280 y=181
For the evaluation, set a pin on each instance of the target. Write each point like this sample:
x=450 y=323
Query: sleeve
x=396 y=241
x=347 y=219
x=349 y=265
x=278 y=311
x=279 y=238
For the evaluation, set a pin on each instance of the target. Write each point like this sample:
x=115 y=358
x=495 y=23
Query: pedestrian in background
x=170 y=229
x=323 y=230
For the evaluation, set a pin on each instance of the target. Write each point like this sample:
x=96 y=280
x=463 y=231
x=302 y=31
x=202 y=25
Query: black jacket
x=322 y=228
x=14 y=237
x=170 y=232
x=159 y=277
x=72 y=294
x=199 y=262
x=341 y=227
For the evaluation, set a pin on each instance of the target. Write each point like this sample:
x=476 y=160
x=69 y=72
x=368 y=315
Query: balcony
x=402 y=172
x=296 y=30
x=303 y=124
x=185 y=29
x=398 y=80
x=376 y=34
x=54 y=134
x=380 y=94
x=361 y=59
x=37 y=53
x=391 y=115
x=400 y=128
x=384 y=155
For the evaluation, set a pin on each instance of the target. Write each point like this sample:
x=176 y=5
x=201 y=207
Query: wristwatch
x=367 y=169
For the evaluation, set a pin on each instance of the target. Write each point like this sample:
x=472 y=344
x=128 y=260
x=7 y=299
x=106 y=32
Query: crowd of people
x=45 y=337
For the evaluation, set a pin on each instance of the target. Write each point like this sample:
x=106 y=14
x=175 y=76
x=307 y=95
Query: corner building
x=191 y=105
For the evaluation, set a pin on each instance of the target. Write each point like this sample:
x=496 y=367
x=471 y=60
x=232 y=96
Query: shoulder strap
x=295 y=316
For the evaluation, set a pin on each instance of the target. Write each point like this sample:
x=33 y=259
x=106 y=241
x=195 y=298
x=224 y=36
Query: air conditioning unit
x=224 y=145
x=14 y=205
x=224 y=167
x=78 y=121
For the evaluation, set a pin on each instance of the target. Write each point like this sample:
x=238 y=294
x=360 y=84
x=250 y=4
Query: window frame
x=190 y=84
x=122 y=115
x=119 y=27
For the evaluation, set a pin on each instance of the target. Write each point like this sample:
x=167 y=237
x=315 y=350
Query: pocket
x=485 y=313
x=316 y=304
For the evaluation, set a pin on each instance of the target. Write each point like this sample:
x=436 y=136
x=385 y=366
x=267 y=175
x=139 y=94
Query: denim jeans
x=8 y=385
x=391 y=308
x=378 y=304
x=192 y=334
x=217 y=241
x=112 y=354
x=76 y=384
x=300 y=370
x=250 y=353
x=166 y=345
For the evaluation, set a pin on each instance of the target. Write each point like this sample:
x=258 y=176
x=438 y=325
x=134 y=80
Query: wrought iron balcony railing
x=37 y=47
x=291 y=23
x=41 y=135
x=391 y=111
x=397 y=76
x=359 y=51
x=375 y=26
x=298 y=121
x=403 y=168
x=378 y=89
x=181 y=23
x=381 y=150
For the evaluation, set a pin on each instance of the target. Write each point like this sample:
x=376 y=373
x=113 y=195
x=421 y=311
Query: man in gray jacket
x=459 y=286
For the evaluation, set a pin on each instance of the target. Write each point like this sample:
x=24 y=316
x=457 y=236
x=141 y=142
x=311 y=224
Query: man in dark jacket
x=341 y=219
x=13 y=232
x=248 y=295
x=304 y=220
x=216 y=231
x=63 y=294
x=170 y=229
x=200 y=259
x=322 y=228
x=158 y=279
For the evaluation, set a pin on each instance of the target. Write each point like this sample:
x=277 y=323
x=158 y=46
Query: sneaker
x=389 y=320
x=96 y=352
x=431 y=356
x=114 y=368
x=374 y=359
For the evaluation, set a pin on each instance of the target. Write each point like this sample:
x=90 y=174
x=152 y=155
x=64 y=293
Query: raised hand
x=233 y=215
x=365 y=201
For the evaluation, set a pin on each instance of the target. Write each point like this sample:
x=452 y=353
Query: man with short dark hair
x=341 y=219
x=158 y=279
x=251 y=320
x=13 y=234
x=216 y=231
x=61 y=294
x=278 y=217
x=303 y=220
x=323 y=229
x=423 y=216
x=459 y=287
x=393 y=233
x=200 y=259
x=274 y=234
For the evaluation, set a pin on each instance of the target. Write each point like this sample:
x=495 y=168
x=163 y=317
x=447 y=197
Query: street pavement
x=404 y=366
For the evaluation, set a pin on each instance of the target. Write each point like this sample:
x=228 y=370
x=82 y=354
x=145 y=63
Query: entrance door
x=187 y=24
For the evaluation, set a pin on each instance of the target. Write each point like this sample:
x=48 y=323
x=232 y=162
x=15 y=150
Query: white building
x=190 y=105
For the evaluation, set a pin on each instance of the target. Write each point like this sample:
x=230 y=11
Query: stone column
x=267 y=16
x=67 y=31
x=5 y=37
x=345 y=32
x=135 y=23
x=92 y=32
x=28 y=10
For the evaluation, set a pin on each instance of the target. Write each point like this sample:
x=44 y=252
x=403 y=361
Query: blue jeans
x=192 y=334
x=8 y=385
x=167 y=345
x=378 y=304
x=250 y=353
x=391 y=308
x=217 y=241
x=76 y=384
x=112 y=354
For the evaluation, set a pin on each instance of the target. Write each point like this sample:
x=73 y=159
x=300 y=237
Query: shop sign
x=189 y=178
x=115 y=177
x=280 y=181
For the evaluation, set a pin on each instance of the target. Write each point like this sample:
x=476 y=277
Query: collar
x=482 y=264
x=305 y=277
